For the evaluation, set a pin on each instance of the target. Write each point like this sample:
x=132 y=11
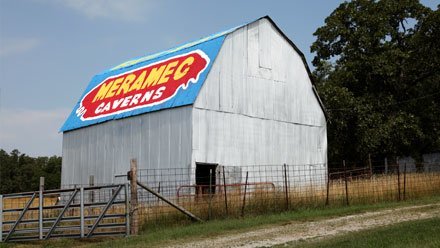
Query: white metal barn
x=240 y=97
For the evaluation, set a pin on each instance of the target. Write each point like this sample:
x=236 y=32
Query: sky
x=50 y=49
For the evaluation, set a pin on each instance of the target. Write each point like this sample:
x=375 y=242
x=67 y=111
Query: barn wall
x=158 y=140
x=257 y=105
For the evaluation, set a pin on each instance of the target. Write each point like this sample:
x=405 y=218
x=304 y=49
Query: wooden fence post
x=286 y=187
x=244 y=196
x=134 y=220
x=226 y=192
x=40 y=209
x=346 y=183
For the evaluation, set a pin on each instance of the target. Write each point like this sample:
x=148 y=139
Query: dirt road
x=295 y=231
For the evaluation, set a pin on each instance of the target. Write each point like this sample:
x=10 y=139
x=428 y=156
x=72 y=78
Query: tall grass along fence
x=234 y=191
x=209 y=191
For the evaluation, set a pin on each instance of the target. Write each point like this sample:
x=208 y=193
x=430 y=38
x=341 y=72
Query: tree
x=20 y=172
x=377 y=71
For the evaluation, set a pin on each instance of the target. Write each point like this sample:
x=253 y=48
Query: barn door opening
x=203 y=176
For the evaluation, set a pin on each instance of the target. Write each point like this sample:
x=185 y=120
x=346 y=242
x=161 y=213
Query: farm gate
x=75 y=212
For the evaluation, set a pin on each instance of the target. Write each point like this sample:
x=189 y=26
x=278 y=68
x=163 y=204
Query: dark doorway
x=202 y=178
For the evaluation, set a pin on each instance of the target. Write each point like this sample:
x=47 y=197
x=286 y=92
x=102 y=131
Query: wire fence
x=211 y=191
x=231 y=191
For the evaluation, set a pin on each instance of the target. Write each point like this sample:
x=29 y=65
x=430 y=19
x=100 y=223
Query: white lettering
x=159 y=92
x=99 y=108
x=107 y=107
x=116 y=103
x=135 y=99
x=126 y=101
x=147 y=96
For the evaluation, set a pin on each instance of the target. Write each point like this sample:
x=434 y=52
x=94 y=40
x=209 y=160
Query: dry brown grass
x=378 y=188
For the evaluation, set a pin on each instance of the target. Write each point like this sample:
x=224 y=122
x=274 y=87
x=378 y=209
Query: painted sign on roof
x=166 y=80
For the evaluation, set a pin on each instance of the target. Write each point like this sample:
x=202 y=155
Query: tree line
x=20 y=172
x=377 y=70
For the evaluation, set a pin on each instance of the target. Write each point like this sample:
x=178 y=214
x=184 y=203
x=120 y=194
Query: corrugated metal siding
x=158 y=140
x=235 y=139
x=257 y=105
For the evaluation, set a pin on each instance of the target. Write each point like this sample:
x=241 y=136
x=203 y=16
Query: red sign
x=143 y=87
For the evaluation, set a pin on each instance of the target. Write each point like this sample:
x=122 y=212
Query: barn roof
x=168 y=79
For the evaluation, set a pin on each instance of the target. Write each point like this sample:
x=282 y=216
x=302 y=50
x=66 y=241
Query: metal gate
x=76 y=212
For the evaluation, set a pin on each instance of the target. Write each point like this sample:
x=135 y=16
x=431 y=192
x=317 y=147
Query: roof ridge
x=138 y=60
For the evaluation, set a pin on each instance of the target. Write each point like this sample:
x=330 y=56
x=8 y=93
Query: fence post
x=127 y=210
x=81 y=211
x=91 y=192
x=328 y=187
x=346 y=184
x=386 y=166
x=134 y=222
x=244 y=196
x=210 y=195
x=370 y=165
x=158 y=191
x=286 y=187
x=398 y=180
x=1 y=218
x=226 y=193
x=404 y=181
x=40 y=208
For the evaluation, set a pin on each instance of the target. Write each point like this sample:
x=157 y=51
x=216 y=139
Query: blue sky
x=50 y=49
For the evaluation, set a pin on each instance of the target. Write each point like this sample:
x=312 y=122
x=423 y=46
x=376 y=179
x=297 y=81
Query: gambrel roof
x=164 y=80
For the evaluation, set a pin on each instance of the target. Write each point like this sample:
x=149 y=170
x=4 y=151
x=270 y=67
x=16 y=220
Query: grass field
x=420 y=233
x=160 y=235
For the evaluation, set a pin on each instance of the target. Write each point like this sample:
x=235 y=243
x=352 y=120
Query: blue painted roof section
x=210 y=45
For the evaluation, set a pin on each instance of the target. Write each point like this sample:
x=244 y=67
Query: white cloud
x=17 y=46
x=127 y=10
x=34 y=132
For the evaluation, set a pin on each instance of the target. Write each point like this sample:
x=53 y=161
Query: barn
x=239 y=97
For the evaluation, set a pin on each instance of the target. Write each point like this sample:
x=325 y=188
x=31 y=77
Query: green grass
x=162 y=235
x=169 y=235
x=419 y=233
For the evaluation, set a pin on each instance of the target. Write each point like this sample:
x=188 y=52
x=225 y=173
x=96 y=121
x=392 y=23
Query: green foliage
x=377 y=71
x=19 y=172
